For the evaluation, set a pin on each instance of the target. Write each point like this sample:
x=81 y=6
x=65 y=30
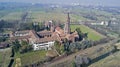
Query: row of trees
x=6 y=24
x=69 y=48
x=31 y=26
x=75 y=46
x=21 y=26
x=91 y=17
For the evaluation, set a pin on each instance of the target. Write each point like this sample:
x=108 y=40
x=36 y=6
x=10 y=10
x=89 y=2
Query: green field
x=13 y=16
x=110 y=61
x=40 y=16
x=99 y=14
x=92 y=34
x=31 y=57
x=5 y=57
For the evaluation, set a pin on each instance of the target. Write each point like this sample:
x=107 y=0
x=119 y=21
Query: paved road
x=81 y=52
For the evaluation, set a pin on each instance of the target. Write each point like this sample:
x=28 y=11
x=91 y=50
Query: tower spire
x=68 y=18
x=67 y=25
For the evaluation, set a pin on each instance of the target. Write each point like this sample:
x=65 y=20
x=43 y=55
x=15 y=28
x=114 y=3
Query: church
x=45 y=39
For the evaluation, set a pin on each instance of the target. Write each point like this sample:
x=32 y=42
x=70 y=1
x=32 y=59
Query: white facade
x=21 y=34
x=45 y=46
x=101 y=23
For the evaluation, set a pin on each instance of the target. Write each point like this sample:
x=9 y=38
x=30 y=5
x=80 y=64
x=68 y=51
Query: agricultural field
x=5 y=57
x=98 y=14
x=40 y=16
x=92 y=34
x=110 y=61
x=3 y=13
x=14 y=16
x=30 y=57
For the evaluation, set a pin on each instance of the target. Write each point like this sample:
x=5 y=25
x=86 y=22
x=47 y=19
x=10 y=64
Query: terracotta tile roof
x=59 y=30
x=43 y=40
x=57 y=36
x=45 y=32
x=33 y=34
x=75 y=34
x=21 y=37
x=62 y=35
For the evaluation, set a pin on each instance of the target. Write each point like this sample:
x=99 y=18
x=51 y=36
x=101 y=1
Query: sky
x=86 y=2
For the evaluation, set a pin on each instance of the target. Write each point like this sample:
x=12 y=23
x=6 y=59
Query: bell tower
x=67 y=25
x=51 y=26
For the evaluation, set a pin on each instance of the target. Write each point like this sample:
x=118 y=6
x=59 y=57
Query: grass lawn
x=5 y=57
x=31 y=57
x=92 y=34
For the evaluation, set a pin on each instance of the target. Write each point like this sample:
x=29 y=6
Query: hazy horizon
x=84 y=2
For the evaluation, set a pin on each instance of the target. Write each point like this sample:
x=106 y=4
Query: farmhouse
x=45 y=39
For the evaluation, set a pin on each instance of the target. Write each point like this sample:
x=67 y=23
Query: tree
x=57 y=46
x=78 y=45
x=72 y=47
x=85 y=35
x=66 y=46
x=79 y=33
x=86 y=44
x=16 y=46
x=25 y=47
x=62 y=49
x=2 y=39
x=2 y=23
x=26 y=26
x=81 y=61
x=24 y=43
x=21 y=47
x=78 y=61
